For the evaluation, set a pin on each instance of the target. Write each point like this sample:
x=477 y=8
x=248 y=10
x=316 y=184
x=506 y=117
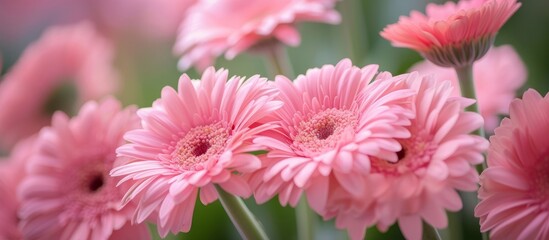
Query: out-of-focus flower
x=498 y=76
x=144 y=19
x=332 y=122
x=452 y=35
x=12 y=172
x=214 y=27
x=65 y=67
x=514 y=192
x=434 y=162
x=22 y=19
x=158 y=19
x=195 y=138
x=67 y=193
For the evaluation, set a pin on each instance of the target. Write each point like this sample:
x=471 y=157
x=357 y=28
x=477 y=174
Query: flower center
x=200 y=144
x=96 y=182
x=324 y=130
x=92 y=179
x=201 y=148
x=92 y=194
x=415 y=154
x=62 y=98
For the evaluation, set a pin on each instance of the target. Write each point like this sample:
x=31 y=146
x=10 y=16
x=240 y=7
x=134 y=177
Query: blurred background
x=143 y=33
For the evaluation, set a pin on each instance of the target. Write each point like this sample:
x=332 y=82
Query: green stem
x=355 y=41
x=244 y=221
x=278 y=61
x=455 y=228
x=467 y=85
x=429 y=232
x=305 y=220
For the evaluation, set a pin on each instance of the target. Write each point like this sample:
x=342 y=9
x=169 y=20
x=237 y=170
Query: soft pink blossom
x=434 y=163
x=212 y=28
x=195 y=138
x=65 y=67
x=22 y=19
x=156 y=19
x=452 y=34
x=12 y=172
x=514 y=192
x=125 y=19
x=334 y=119
x=68 y=193
x=497 y=76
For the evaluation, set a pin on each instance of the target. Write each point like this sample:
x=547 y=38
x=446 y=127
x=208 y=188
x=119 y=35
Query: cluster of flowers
x=364 y=147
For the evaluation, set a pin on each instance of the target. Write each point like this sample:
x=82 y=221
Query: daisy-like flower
x=514 y=192
x=332 y=121
x=12 y=172
x=212 y=28
x=67 y=66
x=497 y=76
x=452 y=35
x=434 y=162
x=67 y=193
x=194 y=139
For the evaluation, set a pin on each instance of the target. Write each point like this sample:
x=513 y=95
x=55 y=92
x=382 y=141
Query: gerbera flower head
x=67 y=192
x=195 y=138
x=12 y=172
x=498 y=76
x=452 y=34
x=514 y=189
x=67 y=66
x=433 y=163
x=333 y=120
x=212 y=28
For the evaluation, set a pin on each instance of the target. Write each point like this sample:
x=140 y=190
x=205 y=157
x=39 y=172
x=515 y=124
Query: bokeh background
x=145 y=62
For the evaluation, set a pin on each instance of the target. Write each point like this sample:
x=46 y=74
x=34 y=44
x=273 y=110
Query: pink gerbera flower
x=12 y=172
x=196 y=138
x=434 y=162
x=212 y=28
x=65 y=67
x=452 y=35
x=68 y=193
x=498 y=76
x=514 y=192
x=332 y=121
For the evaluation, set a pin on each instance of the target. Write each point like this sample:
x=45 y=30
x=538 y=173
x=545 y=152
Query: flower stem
x=280 y=65
x=467 y=85
x=355 y=41
x=244 y=221
x=278 y=61
x=455 y=228
x=305 y=220
x=429 y=232
x=485 y=236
